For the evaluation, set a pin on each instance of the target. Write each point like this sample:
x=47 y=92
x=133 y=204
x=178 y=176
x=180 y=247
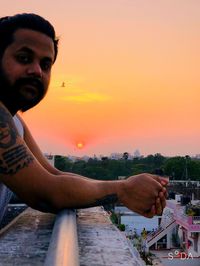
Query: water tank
x=178 y=197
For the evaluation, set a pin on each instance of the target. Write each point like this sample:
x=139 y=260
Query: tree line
x=177 y=168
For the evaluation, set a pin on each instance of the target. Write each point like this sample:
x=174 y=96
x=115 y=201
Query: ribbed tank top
x=5 y=192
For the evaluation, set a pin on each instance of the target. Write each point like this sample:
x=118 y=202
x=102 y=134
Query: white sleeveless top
x=5 y=192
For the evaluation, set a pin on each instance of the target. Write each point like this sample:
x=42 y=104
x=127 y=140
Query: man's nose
x=35 y=70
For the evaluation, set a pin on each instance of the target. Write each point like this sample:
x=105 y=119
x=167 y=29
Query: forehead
x=36 y=41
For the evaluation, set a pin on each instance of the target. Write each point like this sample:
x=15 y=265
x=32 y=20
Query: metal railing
x=153 y=235
x=63 y=249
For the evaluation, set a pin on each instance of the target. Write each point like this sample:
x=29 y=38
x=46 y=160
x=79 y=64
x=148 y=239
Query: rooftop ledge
x=86 y=238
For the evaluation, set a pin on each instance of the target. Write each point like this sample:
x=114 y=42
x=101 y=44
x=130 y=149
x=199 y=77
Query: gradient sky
x=131 y=72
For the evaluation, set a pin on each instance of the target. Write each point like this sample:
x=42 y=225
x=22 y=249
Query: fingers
x=157 y=188
x=156 y=178
x=160 y=202
x=159 y=183
x=156 y=209
x=164 y=190
x=162 y=199
x=150 y=213
x=159 y=207
x=164 y=181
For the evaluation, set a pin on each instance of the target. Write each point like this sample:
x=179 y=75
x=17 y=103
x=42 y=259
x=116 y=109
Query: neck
x=10 y=106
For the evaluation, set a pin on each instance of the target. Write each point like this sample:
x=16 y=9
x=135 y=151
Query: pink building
x=188 y=227
x=177 y=226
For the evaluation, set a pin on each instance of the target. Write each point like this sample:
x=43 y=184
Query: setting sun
x=79 y=145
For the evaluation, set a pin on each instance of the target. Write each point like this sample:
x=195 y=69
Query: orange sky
x=131 y=73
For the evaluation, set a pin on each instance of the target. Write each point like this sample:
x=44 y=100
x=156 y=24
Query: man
x=28 y=49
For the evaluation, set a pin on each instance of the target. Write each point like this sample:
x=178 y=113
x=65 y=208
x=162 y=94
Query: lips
x=30 y=88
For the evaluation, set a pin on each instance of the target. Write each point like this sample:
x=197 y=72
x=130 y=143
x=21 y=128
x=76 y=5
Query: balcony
x=191 y=223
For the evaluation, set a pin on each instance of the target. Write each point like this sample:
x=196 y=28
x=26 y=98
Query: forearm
x=74 y=191
x=32 y=181
x=58 y=172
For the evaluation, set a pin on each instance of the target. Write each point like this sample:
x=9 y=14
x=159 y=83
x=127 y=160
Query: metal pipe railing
x=63 y=249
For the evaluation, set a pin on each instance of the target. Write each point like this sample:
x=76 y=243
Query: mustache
x=30 y=81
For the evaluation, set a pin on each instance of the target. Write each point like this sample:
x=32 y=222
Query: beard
x=16 y=96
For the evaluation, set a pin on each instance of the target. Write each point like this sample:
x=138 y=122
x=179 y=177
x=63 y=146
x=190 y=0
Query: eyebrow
x=30 y=51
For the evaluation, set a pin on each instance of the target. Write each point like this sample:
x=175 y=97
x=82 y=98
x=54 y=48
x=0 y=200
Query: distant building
x=78 y=158
x=176 y=225
x=116 y=156
x=121 y=177
x=72 y=158
x=50 y=158
x=136 y=154
x=134 y=222
x=85 y=158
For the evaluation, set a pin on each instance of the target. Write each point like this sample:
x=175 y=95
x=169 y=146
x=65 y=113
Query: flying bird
x=63 y=84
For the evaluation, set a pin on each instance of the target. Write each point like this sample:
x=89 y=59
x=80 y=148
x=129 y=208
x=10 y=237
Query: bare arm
x=42 y=187
x=34 y=148
x=23 y=174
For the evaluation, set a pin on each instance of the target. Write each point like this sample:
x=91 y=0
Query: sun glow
x=79 y=145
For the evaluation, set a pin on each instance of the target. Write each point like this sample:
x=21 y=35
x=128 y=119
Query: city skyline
x=126 y=77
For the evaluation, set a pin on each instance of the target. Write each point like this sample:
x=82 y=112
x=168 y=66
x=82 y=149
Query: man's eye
x=24 y=59
x=46 y=66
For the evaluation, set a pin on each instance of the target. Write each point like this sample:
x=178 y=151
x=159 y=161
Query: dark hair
x=9 y=24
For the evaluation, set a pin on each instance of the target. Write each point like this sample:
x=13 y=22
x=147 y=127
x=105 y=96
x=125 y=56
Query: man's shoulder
x=6 y=118
x=19 y=125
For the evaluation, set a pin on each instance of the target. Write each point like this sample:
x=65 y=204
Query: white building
x=50 y=158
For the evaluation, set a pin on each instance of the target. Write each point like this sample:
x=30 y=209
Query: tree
x=63 y=163
x=174 y=167
x=125 y=156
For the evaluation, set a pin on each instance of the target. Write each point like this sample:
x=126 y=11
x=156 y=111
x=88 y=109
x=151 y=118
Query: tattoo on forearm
x=16 y=156
x=109 y=199
x=14 y=160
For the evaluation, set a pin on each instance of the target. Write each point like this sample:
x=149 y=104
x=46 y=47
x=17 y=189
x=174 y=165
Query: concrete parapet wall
x=101 y=243
x=26 y=241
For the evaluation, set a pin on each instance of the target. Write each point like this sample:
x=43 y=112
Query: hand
x=161 y=199
x=139 y=193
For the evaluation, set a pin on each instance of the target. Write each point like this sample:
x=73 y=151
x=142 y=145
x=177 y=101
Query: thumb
x=164 y=180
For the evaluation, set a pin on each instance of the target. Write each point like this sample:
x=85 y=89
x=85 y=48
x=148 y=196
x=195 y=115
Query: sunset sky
x=131 y=77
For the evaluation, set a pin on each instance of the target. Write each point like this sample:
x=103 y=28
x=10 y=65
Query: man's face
x=25 y=69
